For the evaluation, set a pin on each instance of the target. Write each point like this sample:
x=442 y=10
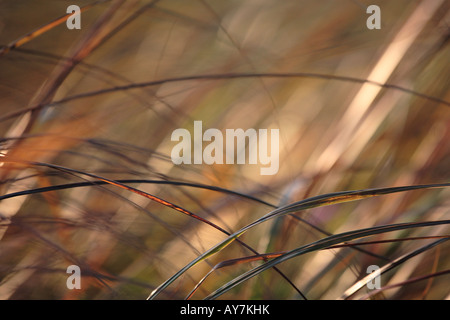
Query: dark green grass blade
x=156 y=199
x=317 y=201
x=232 y=262
x=99 y=182
x=169 y=182
x=329 y=241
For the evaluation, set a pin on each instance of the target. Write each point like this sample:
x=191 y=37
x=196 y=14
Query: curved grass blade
x=123 y=186
x=317 y=201
x=232 y=262
x=329 y=234
x=257 y=75
x=413 y=280
x=154 y=198
x=215 y=77
x=327 y=242
x=127 y=181
x=387 y=241
x=361 y=283
x=170 y=182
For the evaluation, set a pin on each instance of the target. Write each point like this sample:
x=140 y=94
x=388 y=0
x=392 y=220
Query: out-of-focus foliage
x=335 y=134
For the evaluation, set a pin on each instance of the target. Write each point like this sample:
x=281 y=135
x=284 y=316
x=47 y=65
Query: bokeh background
x=337 y=133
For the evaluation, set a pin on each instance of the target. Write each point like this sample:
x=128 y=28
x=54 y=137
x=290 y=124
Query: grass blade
x=317 y=201
x=154 y=198
x=233 y=262
x=327 y=242
x=413 y=280
x=222 y=77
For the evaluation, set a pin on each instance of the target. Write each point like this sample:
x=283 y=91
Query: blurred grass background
x=334 y=135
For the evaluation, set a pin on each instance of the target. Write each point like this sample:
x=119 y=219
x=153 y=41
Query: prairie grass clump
x=87 y=179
